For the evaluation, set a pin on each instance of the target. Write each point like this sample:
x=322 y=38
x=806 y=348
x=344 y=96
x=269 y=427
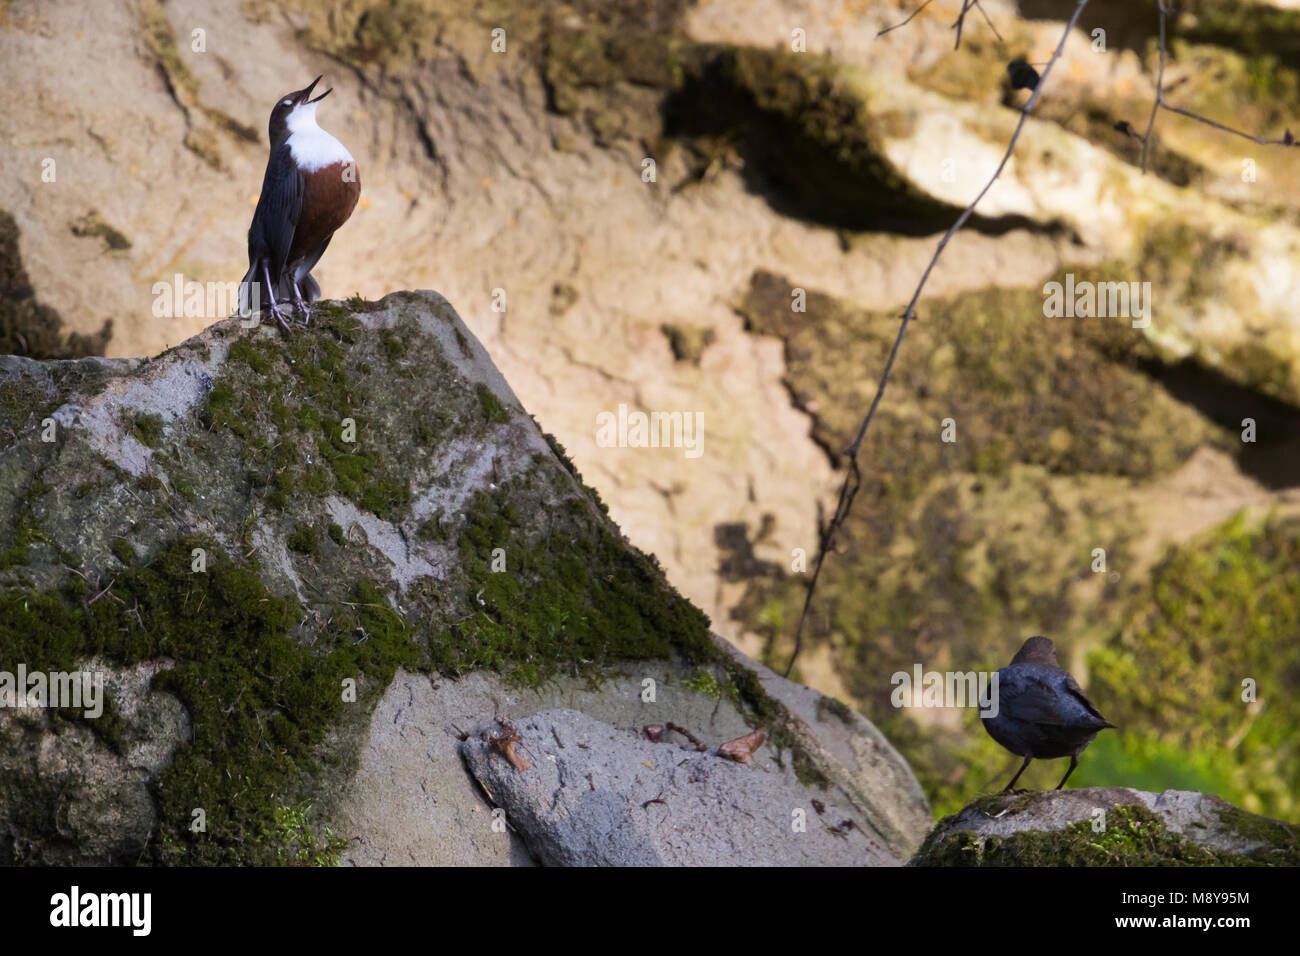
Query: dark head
x=1037 y=650
x=287 y=104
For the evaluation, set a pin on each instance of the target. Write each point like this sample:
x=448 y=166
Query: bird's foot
x=280 y=317
x=300 y=306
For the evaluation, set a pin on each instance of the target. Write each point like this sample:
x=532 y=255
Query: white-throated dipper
x=310 y=188
x=1041 y=710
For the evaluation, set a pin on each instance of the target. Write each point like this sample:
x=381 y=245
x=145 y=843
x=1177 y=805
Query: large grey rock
x=66 y=797
x=410 y=801
x=1116 y=826
x=594 y=795
x=210 y=519
x=849 y=751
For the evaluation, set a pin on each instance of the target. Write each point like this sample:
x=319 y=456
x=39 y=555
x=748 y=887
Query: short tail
x=252 y=290
x=250 y=293
x=309 y=288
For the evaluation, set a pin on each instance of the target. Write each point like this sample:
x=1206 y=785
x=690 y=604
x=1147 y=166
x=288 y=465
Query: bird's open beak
x=305 y=95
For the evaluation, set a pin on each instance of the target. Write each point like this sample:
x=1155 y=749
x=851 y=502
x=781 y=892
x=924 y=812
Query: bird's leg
x=1017 y=776
x=300 y=304
x=270 y=291
x=1074 y=762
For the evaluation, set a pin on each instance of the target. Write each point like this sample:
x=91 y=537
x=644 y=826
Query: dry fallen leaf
x=742 y=748
x=505 y=745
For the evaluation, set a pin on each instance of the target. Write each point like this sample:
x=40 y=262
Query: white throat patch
x=311 y=147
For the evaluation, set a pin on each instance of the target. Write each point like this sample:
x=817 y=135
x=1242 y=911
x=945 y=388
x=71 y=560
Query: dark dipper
x=309 y=190
x=1042 y=711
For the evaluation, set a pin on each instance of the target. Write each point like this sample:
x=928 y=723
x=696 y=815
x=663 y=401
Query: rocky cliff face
x=514 y=179
x=309 y=569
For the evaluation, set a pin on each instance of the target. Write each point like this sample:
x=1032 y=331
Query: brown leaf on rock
x=505 y=743
x=742 y=748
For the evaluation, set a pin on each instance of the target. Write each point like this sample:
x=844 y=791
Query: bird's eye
x=286 y=102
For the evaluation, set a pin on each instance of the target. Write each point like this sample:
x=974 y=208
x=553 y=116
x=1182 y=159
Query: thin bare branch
x=961 y=21
x=1262 y=141
x=852 y=480
x=988 y=20
x=910 y=17
x=966 y=7
x=1160 y=84
x=1166 y=8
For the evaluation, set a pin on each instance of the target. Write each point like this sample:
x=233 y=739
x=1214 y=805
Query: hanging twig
x=966 y=7
x=852 y=480
x=853 y=477
x=1166 y=8
x=910 y=17
x=1160 y=84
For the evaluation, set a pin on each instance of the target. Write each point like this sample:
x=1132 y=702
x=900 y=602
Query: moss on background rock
x=1207 y=660
x=971 y=546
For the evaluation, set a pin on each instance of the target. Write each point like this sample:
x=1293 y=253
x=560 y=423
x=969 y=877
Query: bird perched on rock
x=309 y=190
x=1041 y=711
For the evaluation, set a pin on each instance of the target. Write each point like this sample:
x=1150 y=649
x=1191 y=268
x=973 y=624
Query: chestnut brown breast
x=329 y=196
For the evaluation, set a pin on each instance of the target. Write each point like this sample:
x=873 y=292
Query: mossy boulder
x=246 y=519
x=1108 y=826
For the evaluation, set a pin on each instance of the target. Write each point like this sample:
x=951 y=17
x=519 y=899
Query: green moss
x=246 y=351
x=147 y=429
x=336 y=534
x=123 y=551
x=260 y=700
x=288 y=404
x=305 y=540
x=26 y=531
x=1133 y=836
x=1221 y=610
x=705 y=683
x=223 y=410
x=295 y=842
x=1249 y=27
x=394 y=347
x=362 y=476
x=1278 y=842
x=492 y=406
x=432 y=529
x=573 y=592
